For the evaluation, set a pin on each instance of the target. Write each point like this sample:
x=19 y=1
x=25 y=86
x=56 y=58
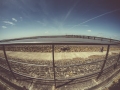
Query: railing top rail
x=58 y=43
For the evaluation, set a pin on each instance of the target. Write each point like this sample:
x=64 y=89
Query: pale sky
x=25 y=18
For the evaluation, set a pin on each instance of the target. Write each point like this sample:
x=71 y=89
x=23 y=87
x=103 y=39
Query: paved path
x=58 y=56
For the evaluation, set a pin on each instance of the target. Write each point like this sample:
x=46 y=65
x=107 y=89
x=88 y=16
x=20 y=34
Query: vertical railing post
x=110 y=40
x=117 y=61
x=118 y=58
x=53 y=65
x=104 y=62
x=8 y=62
x=88 y=37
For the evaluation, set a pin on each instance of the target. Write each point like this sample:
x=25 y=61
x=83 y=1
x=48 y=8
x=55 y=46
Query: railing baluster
x=117 y=61
x=8 y=62
x=53 y=65
x=104 y=62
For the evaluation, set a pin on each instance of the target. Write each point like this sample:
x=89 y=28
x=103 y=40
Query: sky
x=25 y=18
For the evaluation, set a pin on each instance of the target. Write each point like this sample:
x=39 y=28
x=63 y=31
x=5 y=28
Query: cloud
x=96 y=17
x=46 y=32
x=85 y=25
x=89 y=30
x=14 y=19
x=70 y=10
x=8 y=22
x=42 y=23
x=20 y=17
x=4 y=27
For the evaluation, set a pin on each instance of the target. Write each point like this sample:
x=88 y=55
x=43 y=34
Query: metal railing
x=96 y=74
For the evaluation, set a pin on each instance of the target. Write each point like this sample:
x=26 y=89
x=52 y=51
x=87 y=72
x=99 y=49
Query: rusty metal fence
x=57 y=72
